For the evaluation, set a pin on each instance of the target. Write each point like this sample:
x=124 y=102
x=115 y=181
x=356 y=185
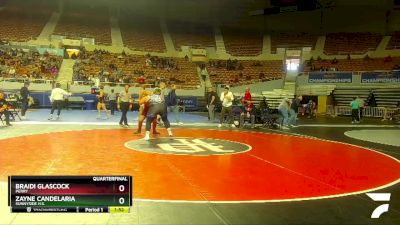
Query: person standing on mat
x=294 y=110
x=211 y=100
x=57 y=98
x=227 y=100
x=124 y=104
x=172 y=104
x=143 y=110
x=112 y=98
x=361 y=104
x=101 y=103
x=24 y=99
x=156 y=108
x=355 y=106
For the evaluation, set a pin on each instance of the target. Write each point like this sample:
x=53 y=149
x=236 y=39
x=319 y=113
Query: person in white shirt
x=226 y=99
x=57 y=98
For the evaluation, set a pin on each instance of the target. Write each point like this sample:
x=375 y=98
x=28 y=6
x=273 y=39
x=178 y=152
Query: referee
x=57 y=98
x=124 y=100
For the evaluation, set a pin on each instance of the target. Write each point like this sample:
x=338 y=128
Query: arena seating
x=128 y=68
x=394 y=41
x=143 y=34
x=292 y=41
x=351 y=43
x=22 y=24
x=251 y=72
x=387 y=96
x=190 y=34
x=85 y=22
x=242 y=42
x=355 y=64
x=344 y=95
x=28 y=65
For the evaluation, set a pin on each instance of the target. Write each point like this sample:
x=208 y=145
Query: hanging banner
x=330 y=77
x=380 y=77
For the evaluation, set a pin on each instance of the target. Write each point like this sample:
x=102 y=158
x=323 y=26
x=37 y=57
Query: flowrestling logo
x=188 y=146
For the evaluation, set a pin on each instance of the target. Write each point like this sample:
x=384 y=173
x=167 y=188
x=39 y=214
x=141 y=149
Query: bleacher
x=242 y=42
x=142 y=34
x=28 y=65
x=271 y=69
x=387 y=96
x=275 y=97
x=292 y=41
x=85 y=22
x=191 y=34
x=21 y=23
x=128 y=69
x=351 y=43
x=344 y=95
x=355 y=64
x=394 y=41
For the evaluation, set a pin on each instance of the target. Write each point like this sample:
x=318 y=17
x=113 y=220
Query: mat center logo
x=188 y=146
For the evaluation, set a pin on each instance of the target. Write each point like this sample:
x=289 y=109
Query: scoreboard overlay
x=88 y=194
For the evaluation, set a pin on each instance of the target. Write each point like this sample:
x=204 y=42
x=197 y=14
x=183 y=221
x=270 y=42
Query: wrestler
x=143 y=110
x=156 y=108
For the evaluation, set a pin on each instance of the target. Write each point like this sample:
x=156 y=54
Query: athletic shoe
x=50 y=117
x=219 y=125
x=23 y=117
x=352 y=121
x=169 y=132
x=285 y=128
x=233 y=126
x=98 y=117
x=180 y=123
x=147 y=136
x=121 y=125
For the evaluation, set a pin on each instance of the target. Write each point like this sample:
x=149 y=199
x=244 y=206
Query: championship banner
x=51 y=194
x=380 y=77
x=188 y=102
x=330 y=77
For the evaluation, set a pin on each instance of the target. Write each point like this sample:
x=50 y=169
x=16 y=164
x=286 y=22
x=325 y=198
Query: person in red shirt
x=141 y=79
x=247 y=102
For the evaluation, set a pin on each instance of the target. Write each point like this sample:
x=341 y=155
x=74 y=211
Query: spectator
x=211 y=102
x=361 y=105
x=388 y=59
x=172 y=104
x=283 y=109
x=112 y=98
x=310 y=109
x=354 y=110
x=4 y=108
x=227 y=100
x=141 y=80
x=24 y=99
x=294 y=110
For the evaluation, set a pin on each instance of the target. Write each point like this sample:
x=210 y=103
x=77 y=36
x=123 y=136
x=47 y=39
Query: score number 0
x=121 y=200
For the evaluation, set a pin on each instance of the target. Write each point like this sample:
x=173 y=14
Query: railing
x=112 y=84
x=378 y=112
x=23 y=80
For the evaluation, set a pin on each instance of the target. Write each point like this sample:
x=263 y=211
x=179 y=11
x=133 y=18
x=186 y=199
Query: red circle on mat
x=278 y=168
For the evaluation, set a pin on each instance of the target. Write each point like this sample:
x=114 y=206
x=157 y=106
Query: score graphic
x=89 y=194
